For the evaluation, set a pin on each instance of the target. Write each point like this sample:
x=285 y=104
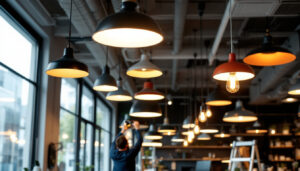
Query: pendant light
x=289 y=99
x=152 y=143
x=217 y=98
x=197 y=126
x=222 y=134
x=144 y=69
x=67 y=66
x=208 y=112
x=232 y=71
x=128 y=28
x=105 y=82
x=185 y=132
x=203 y=137
x=256 y=129
x=239 y=114
x=152 y=134
x=209 y=130
x=121 y=94
x=148 y=93
x=188 y=122
x=202 y=115
x=166 y=128
x=145 y=109
x=178 y=137
x=268 y=54
x=298 y=111
x=295 y=89
x=185 y=143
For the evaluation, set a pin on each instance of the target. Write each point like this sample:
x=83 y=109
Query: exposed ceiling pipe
x=84 y=22
x=221 y=30
x=179 y=22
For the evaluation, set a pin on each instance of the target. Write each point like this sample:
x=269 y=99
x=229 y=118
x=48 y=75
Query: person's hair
x=121 y=142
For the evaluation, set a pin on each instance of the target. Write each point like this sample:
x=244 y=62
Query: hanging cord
x=202 y=73
x=166 y=100
x=106 y=60
x=230 y=20
x=70 y=24
x=206 y=44
x=120 y=63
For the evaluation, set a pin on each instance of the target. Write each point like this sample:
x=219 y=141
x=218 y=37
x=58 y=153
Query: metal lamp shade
x=128 y=29
x=67 y=66
x=105 y=82
x=188 y=123
x=217 y=98
x=239 y=114
x=178 y=137
x=203 y=137
x=152 y=134
x=209 y=130
x=268 y=54
x=289 y=100
x=119 y=95
x=145 y=109
x=242 y=71
x=152 y=143
x=144 y=69
x=222 y=135
x=295 y=89
x=166 y=129
x=256 y=129
x=148 y=93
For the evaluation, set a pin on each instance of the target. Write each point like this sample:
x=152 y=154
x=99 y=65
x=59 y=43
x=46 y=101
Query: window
x=87 y=129
x=18 y=70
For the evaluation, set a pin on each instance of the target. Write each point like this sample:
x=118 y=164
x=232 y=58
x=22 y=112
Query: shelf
x=247 y=135
x=281 y=160
x=280 y=134
x=282 y=147
x=195 y=147
x=196 y=159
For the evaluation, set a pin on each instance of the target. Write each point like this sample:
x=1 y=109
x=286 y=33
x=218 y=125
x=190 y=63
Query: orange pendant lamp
x=268 y=54
x=148 y=93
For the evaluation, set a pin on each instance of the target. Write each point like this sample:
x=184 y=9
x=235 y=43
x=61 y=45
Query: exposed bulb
x=197 y=129
x=202 y=117
x=208 y=112
x=190 y=138
x=185 y=143
x=232 y=84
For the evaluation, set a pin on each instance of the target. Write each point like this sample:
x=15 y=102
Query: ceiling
x=178 y=20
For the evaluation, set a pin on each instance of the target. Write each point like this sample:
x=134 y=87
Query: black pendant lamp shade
x=67 y=66
x=217 y=98
x=239 y=114
x=145 y=109
x=295 y=89
x=128 y=28
x=203 y=137
x=268 y=54
x=188 y=122
x=256 y=129
x=178 y=137
x=152 y=134
x=105 y=82
x=120 y=94
x=166 y=127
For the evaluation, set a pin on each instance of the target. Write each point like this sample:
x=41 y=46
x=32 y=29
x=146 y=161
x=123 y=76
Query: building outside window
x=18 y=86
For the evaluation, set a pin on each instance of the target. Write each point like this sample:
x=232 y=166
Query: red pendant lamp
x=149 y=93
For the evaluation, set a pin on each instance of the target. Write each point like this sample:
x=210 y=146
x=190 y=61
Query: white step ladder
x=235 y=156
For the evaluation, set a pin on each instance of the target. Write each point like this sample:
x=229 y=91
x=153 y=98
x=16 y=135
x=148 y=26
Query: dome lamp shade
x=145 y=109
x=241 y=71
x=268 y=54
x=289 y=99
x=222 y=135
x=67 y=66
x=239 y=114
x=217 y=98
x=203 y=137
x=188 y=123
x=295 y=89
x=178 y=137
x=120 y=95
x=152 y=134
x=166 y=128
x=128 y=28
x=148 y=93
x=152 y=143
x=209 y=130
x=256 y=129
x=144 y=69
x=105 y=82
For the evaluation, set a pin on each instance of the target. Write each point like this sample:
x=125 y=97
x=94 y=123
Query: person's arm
x=137 y=146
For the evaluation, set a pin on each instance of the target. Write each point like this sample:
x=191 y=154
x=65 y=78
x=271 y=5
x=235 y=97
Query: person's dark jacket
x=125 y=160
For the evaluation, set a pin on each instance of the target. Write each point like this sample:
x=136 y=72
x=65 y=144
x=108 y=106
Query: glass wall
x=85 y=126
x=18 y=70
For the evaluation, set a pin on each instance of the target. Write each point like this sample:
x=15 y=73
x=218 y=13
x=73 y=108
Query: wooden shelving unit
x=282 y=160
x=280 y=135
x=195 y=147
x=282 y=147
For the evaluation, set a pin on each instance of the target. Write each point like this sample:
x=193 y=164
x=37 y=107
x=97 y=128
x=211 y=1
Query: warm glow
x=144 y=73
x=218 y=103
x=240 y=76
x=65 y=136
x=232 y=84
x=152 y=144
x=222 y=135
x=67 y=73
x=148 y=96
x=294 y=92
x=169 y=133
x=208 y=113
x=145 y=114
x=13 y=138
x=105 y=88
x=166 y=130
x=256 y=131
x=289 y=100
x=188 y=126
x=197 y=129
x=170 y=102
x=269 y=59
x=203 y=138
x=202 y=117
x=8 y=133
x=209 y=131
x=127 y=37
x=225 y=161
x=191 y=134
x=190 y=139
x=273 y=131
x=185 y=133
x=153 y=137
x=240 y=119
x=120 y=98
x=177 y=140
x=185 y=143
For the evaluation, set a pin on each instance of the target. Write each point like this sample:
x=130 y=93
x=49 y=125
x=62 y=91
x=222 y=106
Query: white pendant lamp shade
x=209 y=130
x=239 y=114
x=217 y=98
x=120 y=95
x=148 y=93
x=152 y=143
x=295 y=89
x=128 y=29
x=144 y=69
x=145 y=109
x=166 y=128
x=152 y=134
x=105 y=82
x=203 y=137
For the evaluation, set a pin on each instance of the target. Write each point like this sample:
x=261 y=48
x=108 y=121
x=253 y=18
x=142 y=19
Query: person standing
x=122 y=156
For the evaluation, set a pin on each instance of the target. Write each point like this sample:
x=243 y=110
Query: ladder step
x=244 y=159
x=244 y=143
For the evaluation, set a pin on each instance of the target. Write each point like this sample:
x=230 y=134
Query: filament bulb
x=232 y=84
x=208 y=113
x=197 y=129
x=202 y=116
x=185 y=143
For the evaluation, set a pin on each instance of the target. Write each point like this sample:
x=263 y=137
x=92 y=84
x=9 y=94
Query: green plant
x=84 y=168
x=26 y=169
x=237 y=169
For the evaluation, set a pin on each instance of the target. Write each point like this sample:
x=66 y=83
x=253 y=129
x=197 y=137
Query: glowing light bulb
x=222 y=135
x=232 y=84
x=197 y=129
x=190 y=138
x=185 y=143
x=208 y=113
x=202 y=117
x=170 y=102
